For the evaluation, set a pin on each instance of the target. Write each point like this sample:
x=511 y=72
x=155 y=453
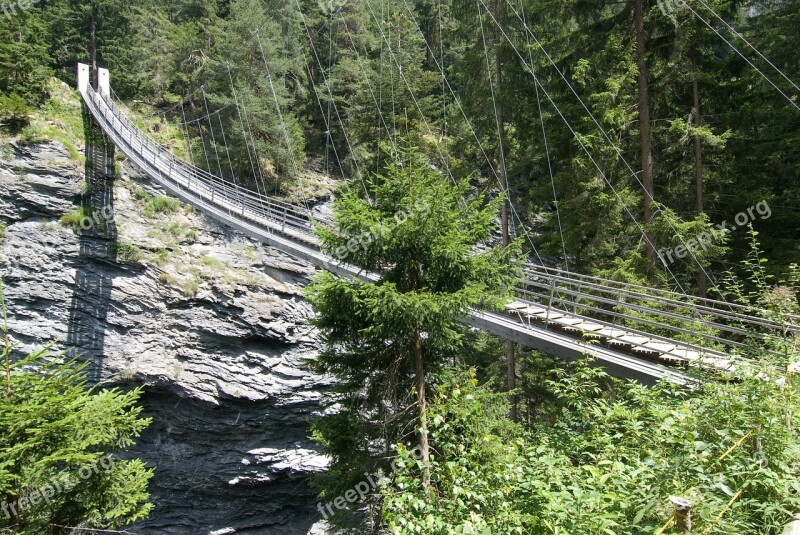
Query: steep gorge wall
x=212 y=324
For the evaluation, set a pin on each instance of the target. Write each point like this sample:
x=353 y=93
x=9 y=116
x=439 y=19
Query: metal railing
x=217 y=190
x=689 y=322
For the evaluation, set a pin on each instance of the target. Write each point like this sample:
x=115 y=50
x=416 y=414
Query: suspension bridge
x=632 y=331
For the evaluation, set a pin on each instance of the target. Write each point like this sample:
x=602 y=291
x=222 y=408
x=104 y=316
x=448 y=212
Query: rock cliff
x=211 y=323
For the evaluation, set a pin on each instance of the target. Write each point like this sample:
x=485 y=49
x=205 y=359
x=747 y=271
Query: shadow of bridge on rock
x=96 y=262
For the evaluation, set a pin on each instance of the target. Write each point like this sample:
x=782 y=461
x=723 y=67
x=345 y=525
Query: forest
x=645 y=142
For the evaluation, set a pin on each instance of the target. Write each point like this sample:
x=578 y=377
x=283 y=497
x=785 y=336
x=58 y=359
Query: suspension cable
x=764 y=76
x=230 y=163
x=411 y=92
x=456 y=100
x=241 y=124
x=620 y=156
x=742 y=37
x=503 y=187
x=203 y=144
x=329 y=134
x=283 y=126
x=331 y=100
x=211 y=130
x=546 y=147
x=585 y=149
x=188 y=137
x=378 y=106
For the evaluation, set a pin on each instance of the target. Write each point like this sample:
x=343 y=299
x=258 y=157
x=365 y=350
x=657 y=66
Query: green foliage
x=76 y=218
x=141 y=194
x=24 y=60
x=31 y=135
x=161 y=257
x=127 y=252
x=475 y=472
x=160 y=204
x=3 y=227
x=609 y=462
x=60 y=444
x=14 y=111
x=419 y=232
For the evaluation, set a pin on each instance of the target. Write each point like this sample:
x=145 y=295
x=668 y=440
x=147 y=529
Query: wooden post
x=683 y=514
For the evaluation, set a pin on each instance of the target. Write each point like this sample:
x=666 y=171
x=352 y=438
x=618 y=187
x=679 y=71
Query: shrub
x=2 y=231
x=161 y=257
x=213 y=263
x=161 y=204
x=127 y=252
x=58 y=444
x=31 y=135
x=14 y=111
x=74 y=218
x=608 y=463
x=141 y=194
x=190 y=286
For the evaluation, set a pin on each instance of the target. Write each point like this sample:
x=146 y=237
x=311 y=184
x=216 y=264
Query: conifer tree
x=24 y=64
x=59 y=447
x=422 y=235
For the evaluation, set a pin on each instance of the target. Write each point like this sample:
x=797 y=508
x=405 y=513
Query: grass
x=2 y=231
x=161 y=204
x=250 y=252
x=32 y=135
x=59 y=119
x=179 y=230
x=74 y=218
x=213 y=263
x=127 y=252
x=141 y=194
x=167 y=134
x=190 y=286
x=160 y=258
x=242 y=277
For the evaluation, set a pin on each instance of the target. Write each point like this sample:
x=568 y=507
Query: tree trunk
x=505 y=227
x=419 y=365
x=698 y=178
x=646 y=154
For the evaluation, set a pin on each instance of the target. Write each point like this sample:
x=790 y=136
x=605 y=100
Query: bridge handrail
x=280 y=214
x=197 y=172
x=563 y=304
x=633 y=331
x=638 y=292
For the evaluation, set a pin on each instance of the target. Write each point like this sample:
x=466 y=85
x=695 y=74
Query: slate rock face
x=213 y=325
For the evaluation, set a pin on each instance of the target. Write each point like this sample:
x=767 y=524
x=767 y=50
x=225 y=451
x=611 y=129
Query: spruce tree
x=59 y=448
x=24 y=65
x=422 y=235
